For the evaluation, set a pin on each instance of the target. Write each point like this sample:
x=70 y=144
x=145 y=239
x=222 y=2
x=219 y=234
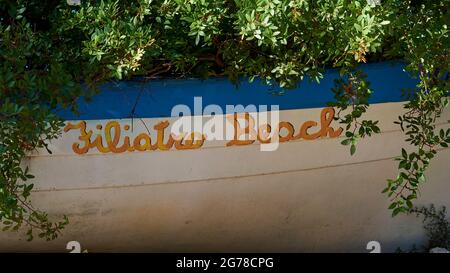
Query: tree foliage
x=436 y=225
x=52 y=53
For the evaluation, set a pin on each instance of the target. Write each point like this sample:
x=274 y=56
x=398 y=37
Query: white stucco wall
x=308 y=196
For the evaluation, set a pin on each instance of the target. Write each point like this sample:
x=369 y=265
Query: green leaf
x=352 y=149
x=396 y=211
x=404 y=153
x=346 y=142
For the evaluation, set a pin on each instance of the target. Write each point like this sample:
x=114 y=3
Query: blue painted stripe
x=156 y=98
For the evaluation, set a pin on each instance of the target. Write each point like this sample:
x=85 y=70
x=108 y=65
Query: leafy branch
x=419 y=125
x=353 y=92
